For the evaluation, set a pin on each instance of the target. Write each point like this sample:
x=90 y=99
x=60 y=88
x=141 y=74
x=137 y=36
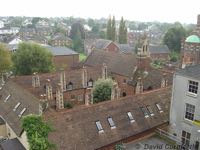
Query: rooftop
x=193 y=39
x=11 y=144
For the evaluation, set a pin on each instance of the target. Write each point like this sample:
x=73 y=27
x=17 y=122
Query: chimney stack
x=164 y=81
x=35 y=80
x=104 y=71
x=63 y=80
x=49 y=92
x=115 y=93
x=84 y=76
x=88 y=96
x=59 y=97
x=139 y=86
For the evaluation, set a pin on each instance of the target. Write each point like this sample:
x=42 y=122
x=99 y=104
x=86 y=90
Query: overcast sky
x=184 y=11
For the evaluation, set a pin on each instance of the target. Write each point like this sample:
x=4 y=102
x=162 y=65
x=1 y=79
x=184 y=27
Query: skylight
x=99 y=127
x=21 y=113
x=159 y=107
x=111 y=123
x=145 y=112
x=0 y=88
x=130 y=116
x=150 y=110
x=16 y=106
x=6 y=99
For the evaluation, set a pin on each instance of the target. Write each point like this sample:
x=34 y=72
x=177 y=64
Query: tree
x=78 y=45
x=102 y=90
x=122 y=32
x=30 y=58
x=173 y=37
x=37 y=132
x=113 y=37
x=109 y=29
x=75 y=28
x=5 y=59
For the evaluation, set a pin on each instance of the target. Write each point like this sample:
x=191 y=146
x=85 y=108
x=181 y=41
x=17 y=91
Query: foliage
x=30 y=58
x=113 y=37
x=77 y=28
x=96 y=28
x=35 y=20
x=102 y=34
x=174 y=56
x=173 y=37
x=122 y=32
x=82 y=57
x=37 y=132
x=68 y=105
x=158 y=64
x=77 y=43
x=102 y=90
x=111 y=29
x=119 y=147
x=5 y=59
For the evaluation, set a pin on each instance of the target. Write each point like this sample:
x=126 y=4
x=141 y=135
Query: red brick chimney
x=59 y=97
x=139 y=86
x=104 y=71
x=88 y=96
x=63 y=80
x=35 y=80
x=164 y=81
x=84 y=76
x=49 y=92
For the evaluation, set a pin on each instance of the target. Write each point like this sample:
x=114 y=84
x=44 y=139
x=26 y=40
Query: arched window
x=69 y=86
x=124 y=94
x=90 y=83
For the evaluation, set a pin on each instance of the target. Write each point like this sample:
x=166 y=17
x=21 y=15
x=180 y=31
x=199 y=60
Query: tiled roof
x=190 y=71
x=101 y=43
x=76 y=129
x=155 y=49
x=117 y=63
x=11 y=144
x=126 y=48
x=57 y=51
x=17 y=95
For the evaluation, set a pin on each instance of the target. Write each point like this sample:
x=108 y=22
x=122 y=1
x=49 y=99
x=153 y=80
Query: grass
x=82 y=57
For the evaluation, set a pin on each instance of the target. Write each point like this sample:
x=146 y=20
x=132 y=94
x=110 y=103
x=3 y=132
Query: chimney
x=115 y=93
x=43 y=104
x=63 y=80
x=164 y=81
x=35 y=80
x=198 y=20
x=59 y=97
x=88 y=96
x=139 y=86
x=49 y=92
x=84 y=76
x=104 y=71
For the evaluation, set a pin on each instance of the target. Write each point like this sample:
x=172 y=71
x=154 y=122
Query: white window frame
x=159 y=107
x=189 y=112
x=145 y=112
x=16 y=106
x=6 y=99
x=191 y=86
x=130 y=116
x=150 y=110
x=185 y=138
x=111 y=123
x=22 y=112
x=99 y=126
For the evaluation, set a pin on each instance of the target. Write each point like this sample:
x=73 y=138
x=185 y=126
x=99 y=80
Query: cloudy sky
x=184 y=11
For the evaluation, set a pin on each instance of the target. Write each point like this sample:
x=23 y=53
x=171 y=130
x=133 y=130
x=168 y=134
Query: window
x=21 y=113
x=130 y=117
x=6 y=99
x=145 y=112
x=90 y=83
x=150 y=110
x=159 y=107
x=16 y=106
x=70 y=86
x=99 y=127
x=185 y=138
x=111 y=123
x=124 y=80
x=193 y=87
x=189 y=111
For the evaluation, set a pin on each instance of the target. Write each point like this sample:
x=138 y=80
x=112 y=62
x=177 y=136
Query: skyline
x=143 y=10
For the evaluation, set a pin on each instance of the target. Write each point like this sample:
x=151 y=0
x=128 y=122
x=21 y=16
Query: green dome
x=193 y=39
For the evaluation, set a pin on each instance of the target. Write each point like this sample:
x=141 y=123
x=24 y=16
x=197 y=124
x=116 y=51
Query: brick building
x=190 y=47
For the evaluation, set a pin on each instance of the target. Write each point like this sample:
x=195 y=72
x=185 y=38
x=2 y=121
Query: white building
x=185 y=107
x=1 y=24
x=9 y=30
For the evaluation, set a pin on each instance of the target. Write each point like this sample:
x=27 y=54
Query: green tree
x=109 y=29
x=78 y=45
x=30 y=58
x=75 y=28
x=113 y=37
x=37 y=132
x=122 y=32
x=173 y=37
x=102 y=90
x=5 y=59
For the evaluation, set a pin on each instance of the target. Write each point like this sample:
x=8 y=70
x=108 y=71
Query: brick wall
x=112 y=47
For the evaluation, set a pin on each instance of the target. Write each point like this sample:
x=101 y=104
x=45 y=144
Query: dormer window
x=22 y=112
x=130 y=116
x=150 y=111
x=70 y=86
x=90 y=83
x=159 y=107
x=6 y=99
x=145 y=112
x=111 y=123
x=16 y=106
x=99 y=126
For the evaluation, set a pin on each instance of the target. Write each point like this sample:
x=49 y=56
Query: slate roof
x=192 y=71
x=76 y=129
x=126 y=48
x=101 y=43
x=61 y=37
x=58 y=51
x=156 y=49
x=1 y=121
x=11 y=144
x=117 y=63
x=17 y=94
